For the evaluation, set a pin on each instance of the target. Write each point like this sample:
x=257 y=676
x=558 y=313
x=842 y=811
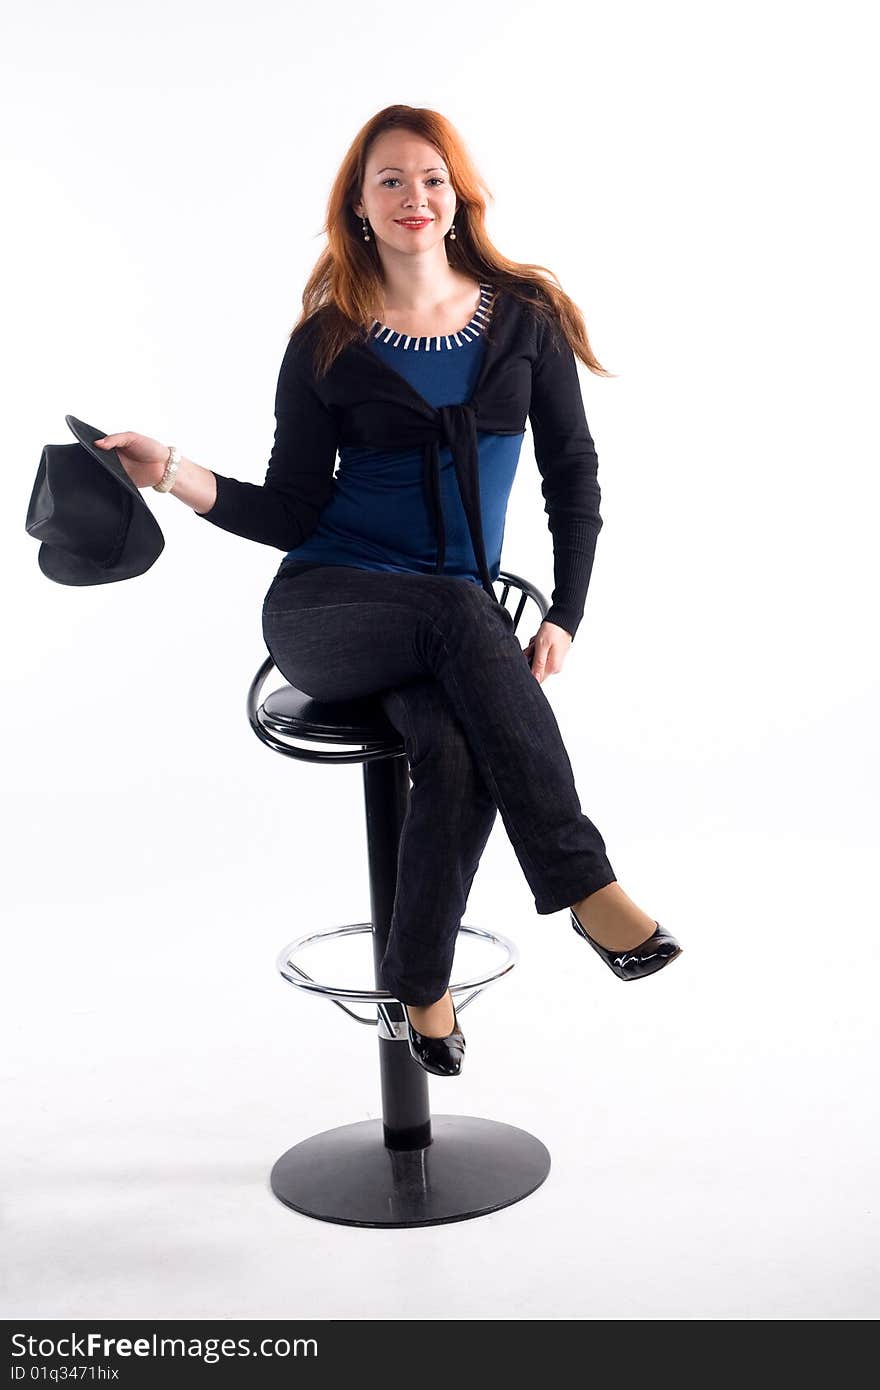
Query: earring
x=452 y=236
x=366 y=233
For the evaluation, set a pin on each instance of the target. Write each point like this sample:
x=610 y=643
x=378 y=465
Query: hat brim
x=146 y=545
x=87 y=434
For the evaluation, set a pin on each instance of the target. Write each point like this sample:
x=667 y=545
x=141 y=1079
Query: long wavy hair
x=344 y=291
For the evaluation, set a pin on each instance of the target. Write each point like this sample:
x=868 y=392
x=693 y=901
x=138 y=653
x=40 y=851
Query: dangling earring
x=366 y=233
x=452 y=236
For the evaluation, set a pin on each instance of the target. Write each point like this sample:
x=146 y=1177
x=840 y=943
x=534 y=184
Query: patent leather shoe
x=645 y=959
x=440 y=1056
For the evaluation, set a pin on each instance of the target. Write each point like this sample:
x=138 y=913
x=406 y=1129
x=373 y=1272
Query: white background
x=700 y=179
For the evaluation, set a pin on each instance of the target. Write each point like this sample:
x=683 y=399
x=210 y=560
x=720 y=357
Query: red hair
x=345 y=287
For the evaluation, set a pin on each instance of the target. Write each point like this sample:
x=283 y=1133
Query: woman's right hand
x=143 y=459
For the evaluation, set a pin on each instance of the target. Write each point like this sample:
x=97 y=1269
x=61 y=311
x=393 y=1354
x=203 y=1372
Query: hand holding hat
x=143 y=459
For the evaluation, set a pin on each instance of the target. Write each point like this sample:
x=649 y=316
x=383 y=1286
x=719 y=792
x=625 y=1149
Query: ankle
x=434 y=1020
x=612 y=918
x=609 y=898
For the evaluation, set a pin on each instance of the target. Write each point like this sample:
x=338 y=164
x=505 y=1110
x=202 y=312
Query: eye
x=435 y=178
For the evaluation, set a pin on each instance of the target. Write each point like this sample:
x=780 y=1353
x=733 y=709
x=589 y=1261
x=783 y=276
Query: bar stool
x=410 y=1168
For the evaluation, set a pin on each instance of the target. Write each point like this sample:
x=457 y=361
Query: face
x=406 y=177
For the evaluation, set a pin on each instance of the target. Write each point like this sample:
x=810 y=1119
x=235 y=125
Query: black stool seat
x=291 y=711
x=407 y=1169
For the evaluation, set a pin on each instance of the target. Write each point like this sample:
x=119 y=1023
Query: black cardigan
x=528 y=371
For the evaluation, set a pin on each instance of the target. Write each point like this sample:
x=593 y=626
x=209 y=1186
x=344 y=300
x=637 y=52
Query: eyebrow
x=394 y=170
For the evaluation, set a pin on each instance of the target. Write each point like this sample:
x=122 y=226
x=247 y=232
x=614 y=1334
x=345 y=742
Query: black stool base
x=349 y=1175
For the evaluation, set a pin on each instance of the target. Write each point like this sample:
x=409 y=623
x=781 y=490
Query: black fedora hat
x=94 y=525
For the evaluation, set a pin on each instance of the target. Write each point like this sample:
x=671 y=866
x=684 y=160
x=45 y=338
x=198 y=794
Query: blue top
x=377 y=517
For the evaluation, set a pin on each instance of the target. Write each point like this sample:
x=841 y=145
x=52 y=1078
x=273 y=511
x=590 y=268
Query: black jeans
x=480 y=736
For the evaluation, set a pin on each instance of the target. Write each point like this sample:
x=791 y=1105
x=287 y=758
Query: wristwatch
x=170 y=473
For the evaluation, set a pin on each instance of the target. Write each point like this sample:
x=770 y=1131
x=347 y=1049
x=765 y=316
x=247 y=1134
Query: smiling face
x=406 y=178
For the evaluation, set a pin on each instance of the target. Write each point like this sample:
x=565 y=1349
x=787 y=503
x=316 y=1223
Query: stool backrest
x=509 y=581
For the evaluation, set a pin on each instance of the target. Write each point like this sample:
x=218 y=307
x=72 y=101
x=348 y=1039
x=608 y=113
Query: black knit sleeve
x=566 y=457
x=283 y=511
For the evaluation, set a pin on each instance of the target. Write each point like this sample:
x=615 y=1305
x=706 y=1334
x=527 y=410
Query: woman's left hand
x=547 y=650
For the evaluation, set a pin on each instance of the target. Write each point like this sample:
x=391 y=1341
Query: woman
x=416 y=331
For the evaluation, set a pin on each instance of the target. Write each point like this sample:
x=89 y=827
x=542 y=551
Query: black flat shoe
x=645 y=959
x=440 y=1056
